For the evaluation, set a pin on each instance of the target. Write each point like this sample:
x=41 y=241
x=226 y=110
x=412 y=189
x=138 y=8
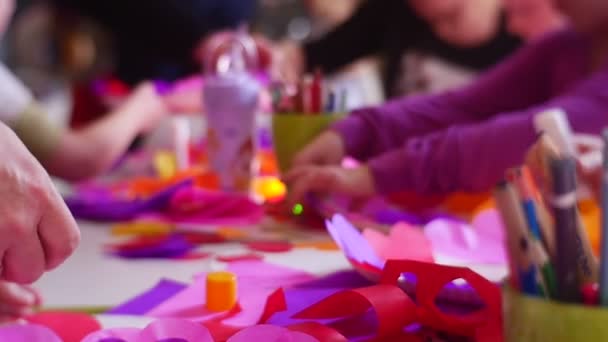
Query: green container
x=292 y=132
x=530 y=319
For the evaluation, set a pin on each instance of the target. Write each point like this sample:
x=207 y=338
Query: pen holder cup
x=530 y=319
x=292 y=132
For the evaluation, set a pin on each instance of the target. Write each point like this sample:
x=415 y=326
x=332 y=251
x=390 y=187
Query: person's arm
x=473 y=157
x=84 y=153
x=361 y=35
x=518 y=82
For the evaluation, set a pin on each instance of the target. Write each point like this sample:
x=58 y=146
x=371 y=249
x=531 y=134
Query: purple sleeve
x=519 y=82
x=473 y=157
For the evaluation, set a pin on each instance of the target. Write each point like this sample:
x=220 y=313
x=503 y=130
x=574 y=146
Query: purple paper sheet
x=338 y=280
x=174 y=246
x=146 y=301
x=100 y=206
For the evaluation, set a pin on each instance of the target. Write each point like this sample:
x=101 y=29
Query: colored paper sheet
x=173 y=246
x=480 y=242
x=256 y=282
x=270 y=246
x=194 y=205
x=403 y=242
x=352 y=243
x=146 y=301
x=239 y=257
x=103 y=206
x=270 y=333
x=338 y=280
x=27 y=333
x=320 y=245
x=298 y=299
x=69 y=326
x=141 y=228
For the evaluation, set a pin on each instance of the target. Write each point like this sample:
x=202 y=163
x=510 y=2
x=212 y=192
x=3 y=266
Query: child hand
x=355 y=183
x=147 y=105
x=326 y=149
x=17 y=301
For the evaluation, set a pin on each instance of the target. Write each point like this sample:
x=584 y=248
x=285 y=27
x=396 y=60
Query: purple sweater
x=464 y=140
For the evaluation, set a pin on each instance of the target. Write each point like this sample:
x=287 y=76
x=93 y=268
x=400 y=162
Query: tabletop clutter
x=403 y=287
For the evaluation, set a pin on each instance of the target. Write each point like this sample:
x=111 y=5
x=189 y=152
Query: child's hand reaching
x=17 y=301
x=145 y=103
x=327 y=149
x=356 y=183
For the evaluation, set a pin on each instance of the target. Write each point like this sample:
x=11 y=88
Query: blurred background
x=54 y=45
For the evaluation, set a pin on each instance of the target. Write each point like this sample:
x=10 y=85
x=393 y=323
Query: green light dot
x=298 y=209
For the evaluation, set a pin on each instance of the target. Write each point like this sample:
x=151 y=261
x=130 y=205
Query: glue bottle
x=230 y=100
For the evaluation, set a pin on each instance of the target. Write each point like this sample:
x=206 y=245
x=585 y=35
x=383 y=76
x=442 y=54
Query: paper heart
x=403 y=242
x=161 y=330
x=480 y=242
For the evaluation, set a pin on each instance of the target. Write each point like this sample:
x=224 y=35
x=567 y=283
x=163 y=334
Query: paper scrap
x=144 y=302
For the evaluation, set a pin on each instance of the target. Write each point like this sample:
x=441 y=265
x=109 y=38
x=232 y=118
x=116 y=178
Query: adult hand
x=356 y=183
x=327 y=149
x=17 y=301
x=37 y=232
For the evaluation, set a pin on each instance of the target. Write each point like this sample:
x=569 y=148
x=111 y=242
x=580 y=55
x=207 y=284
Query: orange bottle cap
x=221 y=291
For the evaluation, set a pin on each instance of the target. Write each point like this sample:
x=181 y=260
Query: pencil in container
x=524 y=272
x=569 y=253
x=526 y=190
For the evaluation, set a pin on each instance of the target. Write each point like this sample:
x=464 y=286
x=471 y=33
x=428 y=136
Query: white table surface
x=91 y=279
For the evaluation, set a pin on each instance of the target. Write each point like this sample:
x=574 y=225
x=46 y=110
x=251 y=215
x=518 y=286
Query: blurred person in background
x=155 y=39
x=75 y=154
x=531 y=19
x=425 y=45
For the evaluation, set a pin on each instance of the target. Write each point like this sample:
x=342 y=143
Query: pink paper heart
x=481 y=242
x=403 y=242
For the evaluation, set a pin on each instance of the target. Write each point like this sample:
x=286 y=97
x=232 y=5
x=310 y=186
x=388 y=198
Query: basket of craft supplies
x=300 y=116
x=557 y=288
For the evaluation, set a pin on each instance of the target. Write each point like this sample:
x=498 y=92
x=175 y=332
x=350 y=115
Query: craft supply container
x=292 y=131
x=530 y=319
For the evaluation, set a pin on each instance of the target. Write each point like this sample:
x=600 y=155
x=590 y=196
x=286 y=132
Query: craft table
x=90 y=279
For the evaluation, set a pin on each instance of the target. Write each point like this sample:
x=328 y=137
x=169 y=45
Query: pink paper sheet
x=256 y=281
